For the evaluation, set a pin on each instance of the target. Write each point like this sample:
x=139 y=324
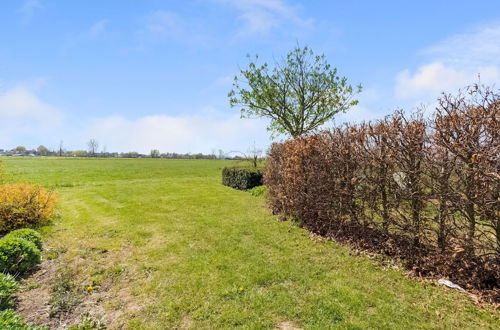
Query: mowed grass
x=183 y=251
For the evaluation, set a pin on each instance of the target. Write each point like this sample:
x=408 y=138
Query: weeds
x=65 y=293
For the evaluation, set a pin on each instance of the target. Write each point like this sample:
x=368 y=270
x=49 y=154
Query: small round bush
x=28 y=234
x=8 y=286
x=18 y=255
x=24 y=205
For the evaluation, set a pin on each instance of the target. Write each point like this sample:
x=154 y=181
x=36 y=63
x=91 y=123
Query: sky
x=142 y=75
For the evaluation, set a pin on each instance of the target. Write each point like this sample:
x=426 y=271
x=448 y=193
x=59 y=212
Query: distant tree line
x=93 y=145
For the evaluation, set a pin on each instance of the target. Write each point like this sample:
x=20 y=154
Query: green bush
x=257 y=191
x=18 y=255
x=8 y=286
x=12 y=321
x=242 y=178
x=28 y=234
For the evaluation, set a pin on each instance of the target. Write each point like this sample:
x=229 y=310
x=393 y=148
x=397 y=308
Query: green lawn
x=173 y=248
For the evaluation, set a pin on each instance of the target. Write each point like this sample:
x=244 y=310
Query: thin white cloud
x=257 y=17
x=200 y=132
x=97 y=28
x=356 y=114
x=436 y=77
x=93 y=32
x=164 y=25
x=29 y=8
x=21 y=106
x=474 y=48
x=164 y=22
x=454 y=63
x=261 y=17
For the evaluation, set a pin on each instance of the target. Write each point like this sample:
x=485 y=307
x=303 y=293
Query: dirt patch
x=288 y=325
x=105 y=301
x=186 y=323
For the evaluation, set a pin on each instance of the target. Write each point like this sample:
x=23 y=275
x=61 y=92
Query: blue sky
x=138 y=75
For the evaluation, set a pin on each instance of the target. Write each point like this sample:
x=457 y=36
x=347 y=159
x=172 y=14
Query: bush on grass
x=257 y=191
x=242 y=178
x=8 y=285
x=28 y=234
x=24 y=205
x=18 y=255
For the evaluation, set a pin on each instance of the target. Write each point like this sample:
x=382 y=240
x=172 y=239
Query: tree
x=42 y=150
x=93 y=145
x=61 y=148
x=20 y=149
x=253 y=155
x=155 y=153
x=298 y=95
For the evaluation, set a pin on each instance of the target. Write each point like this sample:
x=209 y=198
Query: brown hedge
x=426 y=190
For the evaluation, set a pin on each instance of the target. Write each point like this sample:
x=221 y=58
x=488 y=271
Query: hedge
x=426 y=189
x=242 y=178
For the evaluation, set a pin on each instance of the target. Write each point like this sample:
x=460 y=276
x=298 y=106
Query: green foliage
x=18 y=255
x=8 y=285
x=10 y=320
x=242 y=178
x=257 y=191
x=3 y=174
x=42 y=150
x=28 y=234
x=155 y=153
x=298 y=95
x=64 y=292
x=87 y=322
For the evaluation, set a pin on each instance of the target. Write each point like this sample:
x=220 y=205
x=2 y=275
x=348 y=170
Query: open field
x=165 y=245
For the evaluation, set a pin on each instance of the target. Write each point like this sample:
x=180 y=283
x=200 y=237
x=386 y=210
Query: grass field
x=165 y=245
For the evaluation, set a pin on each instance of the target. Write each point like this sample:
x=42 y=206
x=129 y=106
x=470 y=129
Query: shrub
x=8 y=286
x=257 y=191
x=18 y=255
x=423 y=189
x=24 y=205
x=242 y=178
x=28 y=234
x=12 y=321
